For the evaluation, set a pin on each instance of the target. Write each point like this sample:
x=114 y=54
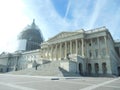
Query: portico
x=59 y=51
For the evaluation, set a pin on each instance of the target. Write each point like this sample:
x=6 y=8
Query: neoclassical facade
x=91 y=52
x=84 y=52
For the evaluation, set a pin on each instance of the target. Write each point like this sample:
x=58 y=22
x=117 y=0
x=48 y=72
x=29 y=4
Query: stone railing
x=96 y=29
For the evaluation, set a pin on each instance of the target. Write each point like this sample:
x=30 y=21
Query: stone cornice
x=68 y=36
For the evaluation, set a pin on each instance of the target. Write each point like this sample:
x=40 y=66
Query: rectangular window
x=103 y=52
x=94 y=41
x=89 y=44
x=96 y=52
x=90 y=53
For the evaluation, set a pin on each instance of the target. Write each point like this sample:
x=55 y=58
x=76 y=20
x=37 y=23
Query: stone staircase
x=48 y=69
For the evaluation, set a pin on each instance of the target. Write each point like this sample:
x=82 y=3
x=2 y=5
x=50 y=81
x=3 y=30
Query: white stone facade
x=28 y=58
x=93 y=51
x=19 y=60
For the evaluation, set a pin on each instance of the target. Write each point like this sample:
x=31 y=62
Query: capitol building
x=85 y=52
x=91 y=52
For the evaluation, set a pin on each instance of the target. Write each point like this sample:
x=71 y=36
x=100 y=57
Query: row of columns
x=99 y=46
x=60 y=50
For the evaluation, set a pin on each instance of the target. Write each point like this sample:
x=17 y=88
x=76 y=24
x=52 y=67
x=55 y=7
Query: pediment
x=62 y=35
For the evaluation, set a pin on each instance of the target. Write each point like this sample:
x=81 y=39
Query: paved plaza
x=26 y=82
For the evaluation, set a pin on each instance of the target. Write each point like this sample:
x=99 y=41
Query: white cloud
x=16 y=14
x=49 y=21
x=79 y=12
x=114 y=24
x=68 y=9
x=97 y=10
x=12 y=20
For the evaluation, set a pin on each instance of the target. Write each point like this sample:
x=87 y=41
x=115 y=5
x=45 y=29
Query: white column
x=71 y=47
x=100 y=68
x=79 y=48
x=56 y=52
x=76 y=47
x=47 y=52
x=65 y=50
x=91 y=47
x=87 y=54
x=51 y=52
x=119 y=51
x=60 y=51
x=106 y=45
x=93 y=68
x=98 y=42
x=82 y=47
x=43 y=53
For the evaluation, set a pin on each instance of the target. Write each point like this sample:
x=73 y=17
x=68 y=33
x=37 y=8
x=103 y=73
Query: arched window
x=96 y=68
x=104 y=68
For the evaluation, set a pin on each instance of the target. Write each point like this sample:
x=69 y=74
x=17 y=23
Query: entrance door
x=80 y=68
x=96 y=68
x=104 y=68
x=119 y=71
x=89 y=68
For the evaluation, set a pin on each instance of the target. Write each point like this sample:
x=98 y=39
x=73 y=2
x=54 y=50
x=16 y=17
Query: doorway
x=80 y=69
x=96 y=68
x=119 y=71
x=89 y=69
x=104 y=68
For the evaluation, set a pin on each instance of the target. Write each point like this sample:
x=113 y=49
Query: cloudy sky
x=54 y=16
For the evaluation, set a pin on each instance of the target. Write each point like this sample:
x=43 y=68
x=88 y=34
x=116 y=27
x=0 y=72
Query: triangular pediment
x=62 y=35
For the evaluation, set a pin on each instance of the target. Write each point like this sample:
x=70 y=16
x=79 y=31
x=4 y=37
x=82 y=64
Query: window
x=90 y=53
x=95 y=41
x=96 y=68
x=102 y=41
x=1 y=70
x=103 y=52
x=104 y=68
x=96 y=52
x=89 y=44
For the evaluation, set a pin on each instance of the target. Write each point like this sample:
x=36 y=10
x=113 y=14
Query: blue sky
x=54 y=16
